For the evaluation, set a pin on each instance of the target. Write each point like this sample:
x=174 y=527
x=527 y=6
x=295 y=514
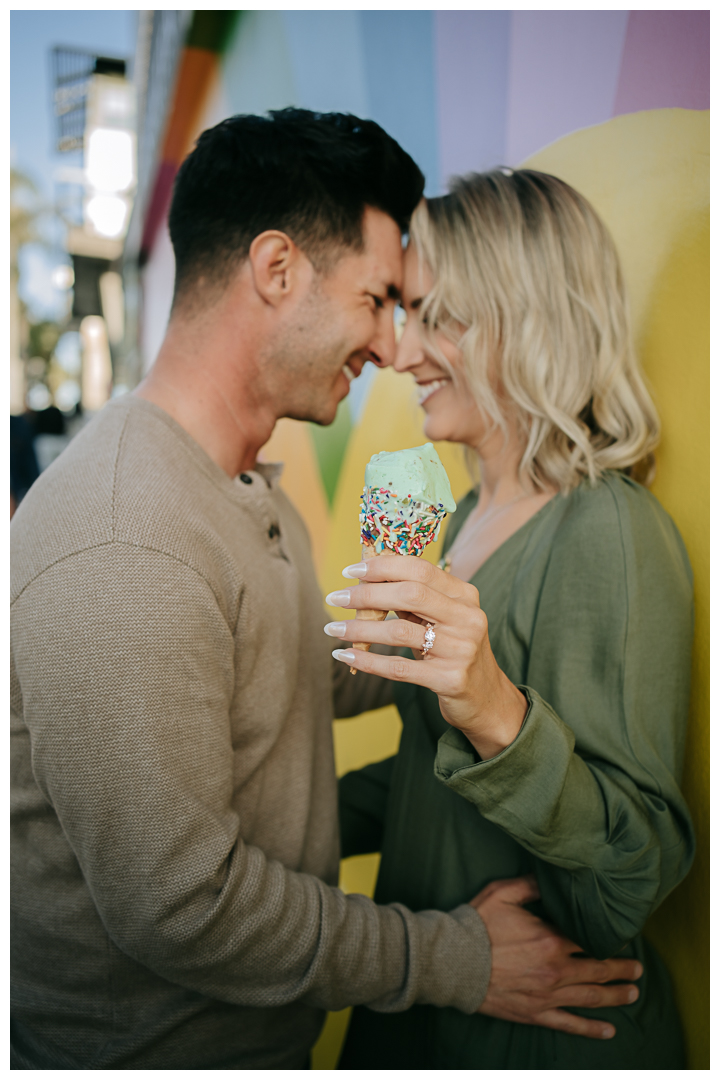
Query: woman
x=544 y=731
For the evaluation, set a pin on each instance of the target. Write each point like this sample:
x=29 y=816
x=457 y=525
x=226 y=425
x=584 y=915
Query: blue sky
x=32 y=131
x=32 y=36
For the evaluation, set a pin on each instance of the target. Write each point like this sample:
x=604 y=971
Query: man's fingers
x=616 y=970
x=583 y=969
x=520 y=890
x=575 y=1025
x=595 y=996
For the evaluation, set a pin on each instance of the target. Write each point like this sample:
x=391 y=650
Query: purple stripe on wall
x=472 y=51
x=666 y=62
x=564 y=69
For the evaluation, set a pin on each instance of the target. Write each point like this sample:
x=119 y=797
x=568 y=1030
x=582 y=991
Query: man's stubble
x=304 y=361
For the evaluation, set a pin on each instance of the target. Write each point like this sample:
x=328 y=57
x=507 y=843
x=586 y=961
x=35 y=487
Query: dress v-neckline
x=503 y=546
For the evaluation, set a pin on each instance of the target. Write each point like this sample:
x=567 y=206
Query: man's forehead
x=382 y=248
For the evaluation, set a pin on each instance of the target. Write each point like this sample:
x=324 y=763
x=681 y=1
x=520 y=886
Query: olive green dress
x=589 y=609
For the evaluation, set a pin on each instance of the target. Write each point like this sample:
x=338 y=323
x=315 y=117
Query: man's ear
x=277 y=266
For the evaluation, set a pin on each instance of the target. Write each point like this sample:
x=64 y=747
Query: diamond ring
x=429 y=639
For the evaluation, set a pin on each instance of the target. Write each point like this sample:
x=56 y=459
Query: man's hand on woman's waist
x=535 y=973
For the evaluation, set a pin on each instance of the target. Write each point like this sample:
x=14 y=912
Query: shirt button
x=245 y=478
x=273 y=531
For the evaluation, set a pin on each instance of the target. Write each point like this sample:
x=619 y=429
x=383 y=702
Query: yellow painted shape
x=291 y=444
x=647 y=174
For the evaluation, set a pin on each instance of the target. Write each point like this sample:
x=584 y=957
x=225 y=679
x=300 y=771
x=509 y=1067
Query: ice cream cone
x=368 y=552
x=405 y=498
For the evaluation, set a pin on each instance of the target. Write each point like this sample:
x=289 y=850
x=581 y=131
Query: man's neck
x=216 y=398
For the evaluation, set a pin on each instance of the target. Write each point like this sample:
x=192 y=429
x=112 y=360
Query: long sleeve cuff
x=452 y=961
x=533 y=789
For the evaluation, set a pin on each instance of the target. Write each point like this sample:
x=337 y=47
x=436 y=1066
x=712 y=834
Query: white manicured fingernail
x=341 y=598
x=608 y=1032
x=357 y=570
x=344 y=654
x=335 y=629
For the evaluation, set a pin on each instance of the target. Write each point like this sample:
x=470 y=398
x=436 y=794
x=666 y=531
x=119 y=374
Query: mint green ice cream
x=417 y=472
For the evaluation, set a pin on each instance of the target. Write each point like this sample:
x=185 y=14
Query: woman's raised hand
x=474 y=694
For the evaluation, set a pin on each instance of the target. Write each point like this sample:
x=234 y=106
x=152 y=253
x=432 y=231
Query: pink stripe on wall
x=159 y=205
x=564 y=68
x=666 y=62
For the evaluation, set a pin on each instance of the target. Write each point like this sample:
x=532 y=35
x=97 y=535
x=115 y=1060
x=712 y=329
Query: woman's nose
x=409 y=352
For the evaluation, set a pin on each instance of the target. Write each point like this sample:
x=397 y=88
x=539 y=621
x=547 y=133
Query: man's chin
x=314 y=415
x=320 y=412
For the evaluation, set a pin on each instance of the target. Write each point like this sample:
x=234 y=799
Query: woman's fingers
x=402 y=634
x=440 y=676
x=392 y=567
x=414 y=596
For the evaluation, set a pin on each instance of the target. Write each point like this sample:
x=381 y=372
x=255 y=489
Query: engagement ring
x=429 y=639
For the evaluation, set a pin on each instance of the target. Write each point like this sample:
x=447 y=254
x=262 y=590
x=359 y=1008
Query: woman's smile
x=427 y=389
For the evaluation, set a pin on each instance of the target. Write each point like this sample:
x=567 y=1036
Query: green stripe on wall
x=212 y=30
x=330 y=443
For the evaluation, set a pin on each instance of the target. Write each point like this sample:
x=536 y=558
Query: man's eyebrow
x=393 y=293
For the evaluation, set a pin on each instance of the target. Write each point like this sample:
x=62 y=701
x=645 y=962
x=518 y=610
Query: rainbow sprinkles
x=406 y=496
x=400 y=523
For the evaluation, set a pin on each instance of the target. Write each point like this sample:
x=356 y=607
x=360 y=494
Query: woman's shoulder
x=617 y=518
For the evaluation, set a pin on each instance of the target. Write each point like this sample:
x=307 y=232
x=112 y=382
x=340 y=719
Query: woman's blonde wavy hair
x=528 y=284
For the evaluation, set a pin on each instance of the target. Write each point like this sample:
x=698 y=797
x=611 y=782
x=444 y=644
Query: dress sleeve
x=363 y=796
x=361 y=692
x=590 y=786
x=126 y=693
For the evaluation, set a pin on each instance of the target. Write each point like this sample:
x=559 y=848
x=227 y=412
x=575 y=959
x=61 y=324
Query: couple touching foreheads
x=176 y=829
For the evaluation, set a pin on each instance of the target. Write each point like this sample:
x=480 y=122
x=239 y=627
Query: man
x=175 y=806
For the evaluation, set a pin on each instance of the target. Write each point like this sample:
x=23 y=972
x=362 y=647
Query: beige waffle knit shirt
x=174 y=806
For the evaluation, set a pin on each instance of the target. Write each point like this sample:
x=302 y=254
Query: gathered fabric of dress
x=174 y=804
x=589 y=609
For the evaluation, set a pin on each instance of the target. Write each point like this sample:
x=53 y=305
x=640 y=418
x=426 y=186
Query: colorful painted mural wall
x=614 y=102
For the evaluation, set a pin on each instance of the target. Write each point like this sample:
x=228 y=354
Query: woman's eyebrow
x=415 y=304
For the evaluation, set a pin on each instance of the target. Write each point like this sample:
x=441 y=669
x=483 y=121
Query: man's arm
x=127 y=668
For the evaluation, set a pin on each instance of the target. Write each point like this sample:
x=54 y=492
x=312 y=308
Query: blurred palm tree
x=25 y=209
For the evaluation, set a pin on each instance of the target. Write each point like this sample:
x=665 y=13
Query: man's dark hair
x=308 y=174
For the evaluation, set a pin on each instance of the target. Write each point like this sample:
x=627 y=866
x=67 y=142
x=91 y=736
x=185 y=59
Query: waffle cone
x=368 y=552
